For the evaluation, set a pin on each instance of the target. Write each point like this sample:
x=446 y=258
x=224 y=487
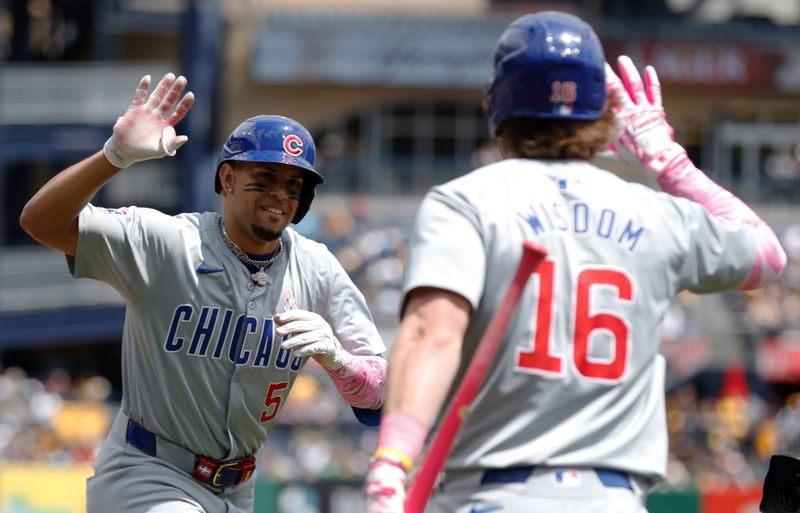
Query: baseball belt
x=608 y=477
x=215 y=473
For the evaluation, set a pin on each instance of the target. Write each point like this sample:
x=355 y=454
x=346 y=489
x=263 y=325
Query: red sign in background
x=696 y=63
x=731 y=501
x=778 y=360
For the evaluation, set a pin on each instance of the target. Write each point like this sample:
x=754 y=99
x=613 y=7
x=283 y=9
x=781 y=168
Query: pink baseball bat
x=422 y=484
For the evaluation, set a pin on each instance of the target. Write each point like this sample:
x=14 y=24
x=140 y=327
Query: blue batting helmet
x=274 y=139
x=546 y=65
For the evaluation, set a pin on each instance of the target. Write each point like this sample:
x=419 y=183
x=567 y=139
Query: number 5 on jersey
x=272 y=401
x=541 y=359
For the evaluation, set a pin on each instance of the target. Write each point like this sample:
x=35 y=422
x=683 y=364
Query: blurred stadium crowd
x=722 y=434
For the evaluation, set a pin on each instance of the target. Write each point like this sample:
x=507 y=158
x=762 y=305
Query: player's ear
x=226 y=172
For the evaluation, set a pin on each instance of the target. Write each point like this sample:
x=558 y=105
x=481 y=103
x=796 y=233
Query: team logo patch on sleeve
x=117 y=211
x=568 y=478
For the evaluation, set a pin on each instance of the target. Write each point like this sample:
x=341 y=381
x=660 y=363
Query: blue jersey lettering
x=606 y=223
x=223 y=333
x=203 y=331
x=236 y=352
x=173 y=343
x=630 y=235
x=209 y=324
x=581 y=220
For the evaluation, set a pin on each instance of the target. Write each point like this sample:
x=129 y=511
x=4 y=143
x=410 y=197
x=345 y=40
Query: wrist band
x=394 y=454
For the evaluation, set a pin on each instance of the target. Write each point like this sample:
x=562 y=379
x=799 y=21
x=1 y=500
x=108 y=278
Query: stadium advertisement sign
x=43 y=488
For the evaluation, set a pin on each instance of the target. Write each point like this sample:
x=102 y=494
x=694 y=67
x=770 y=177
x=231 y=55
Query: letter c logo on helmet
x=293 y=145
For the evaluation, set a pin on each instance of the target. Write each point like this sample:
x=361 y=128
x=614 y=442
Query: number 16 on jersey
x=539 y=356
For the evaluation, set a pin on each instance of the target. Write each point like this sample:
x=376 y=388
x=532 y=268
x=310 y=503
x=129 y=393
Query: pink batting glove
x=644 y=136
x=385 y=488
x=146 y=130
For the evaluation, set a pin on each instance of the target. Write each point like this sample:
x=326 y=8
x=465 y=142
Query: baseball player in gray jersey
x=223 y=311
x=571 y=414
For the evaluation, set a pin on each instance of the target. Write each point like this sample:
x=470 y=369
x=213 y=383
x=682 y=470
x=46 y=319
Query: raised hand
x=146 y=130
x=644 y=135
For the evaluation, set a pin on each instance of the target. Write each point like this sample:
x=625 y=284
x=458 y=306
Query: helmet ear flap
x=217 y=179
x=306 y=197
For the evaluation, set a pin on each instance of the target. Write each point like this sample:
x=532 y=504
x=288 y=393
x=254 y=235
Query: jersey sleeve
x=719 y=252
x=446 y=249
x=368 y=418
x=123 y=247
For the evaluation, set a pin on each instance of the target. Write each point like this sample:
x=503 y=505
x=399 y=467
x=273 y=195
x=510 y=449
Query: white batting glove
x=310 y=336
x=146 y=130
x=644 y=135
x=385 y=487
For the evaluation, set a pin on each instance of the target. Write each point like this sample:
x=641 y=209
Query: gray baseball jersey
x=202 y=366
x=579 y=381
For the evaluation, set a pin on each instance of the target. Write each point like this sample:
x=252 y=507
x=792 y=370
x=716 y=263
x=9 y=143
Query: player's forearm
x=361 y=381
x=426 y=355
x=422 y=368
x=683 y=179
x=51 y=216
x=423 y=364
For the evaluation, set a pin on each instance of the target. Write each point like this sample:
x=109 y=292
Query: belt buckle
x=220 y=468
x=248 y=467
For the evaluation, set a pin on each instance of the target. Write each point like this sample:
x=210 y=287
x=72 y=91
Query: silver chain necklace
x=260 y=276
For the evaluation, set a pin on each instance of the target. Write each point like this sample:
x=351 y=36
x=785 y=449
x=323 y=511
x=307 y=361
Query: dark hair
x=557 y=139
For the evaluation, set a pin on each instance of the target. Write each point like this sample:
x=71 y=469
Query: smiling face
x=261 y=199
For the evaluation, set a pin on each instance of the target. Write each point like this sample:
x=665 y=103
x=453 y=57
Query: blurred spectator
x=782 y=168
x=57 y=419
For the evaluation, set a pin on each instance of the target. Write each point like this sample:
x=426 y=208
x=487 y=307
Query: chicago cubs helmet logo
x=293 y=145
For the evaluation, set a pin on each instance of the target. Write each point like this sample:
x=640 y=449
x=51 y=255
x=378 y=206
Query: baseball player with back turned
x=571 y=414
x=222 y=312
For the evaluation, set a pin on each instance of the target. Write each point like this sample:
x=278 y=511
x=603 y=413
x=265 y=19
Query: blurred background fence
x=392 y=93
